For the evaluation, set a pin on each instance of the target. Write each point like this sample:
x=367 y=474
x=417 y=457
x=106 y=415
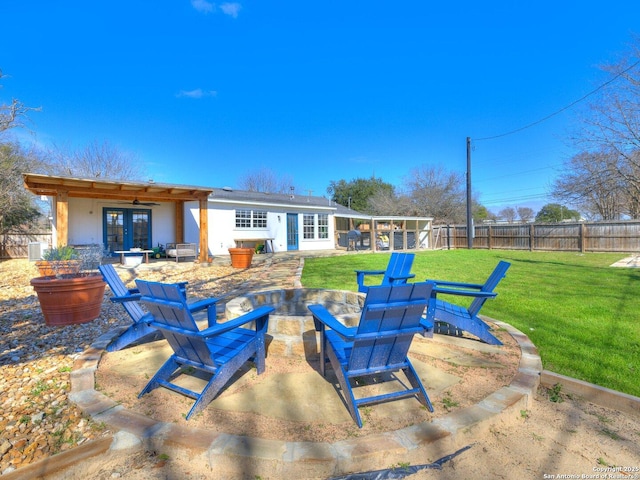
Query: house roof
x=228 y=195
x=111 y=189
x=51 y=185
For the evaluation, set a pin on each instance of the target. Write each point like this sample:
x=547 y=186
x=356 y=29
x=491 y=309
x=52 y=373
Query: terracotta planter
x=58 y=267
x=69 y=301
x=241 y=257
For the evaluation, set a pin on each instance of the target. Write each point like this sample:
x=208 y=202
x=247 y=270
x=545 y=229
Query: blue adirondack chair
x=219 y=350
x=391 y=316
x=128 y=298
x=397 y=271
x=463 y=318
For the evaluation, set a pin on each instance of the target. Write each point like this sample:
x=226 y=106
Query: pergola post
x=62 y=218
x=204 y=228
x=179 y=225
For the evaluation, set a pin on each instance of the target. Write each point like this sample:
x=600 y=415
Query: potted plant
x=58 y=261
x=241 y=257
x=69 y=297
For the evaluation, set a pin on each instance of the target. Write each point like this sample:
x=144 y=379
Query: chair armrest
x=457 y=284
x=126 y=298
x=209 y=305
x=370 y=272
x=428 y=328
x=466 y=293
x=360 y=274
x=254 y=315
x=323 y=316
x=426 y=324
x=202 y=304
x=401 y=277
x=134 y=295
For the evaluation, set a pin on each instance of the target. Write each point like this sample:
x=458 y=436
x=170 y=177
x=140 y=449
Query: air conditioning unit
x=36 y=249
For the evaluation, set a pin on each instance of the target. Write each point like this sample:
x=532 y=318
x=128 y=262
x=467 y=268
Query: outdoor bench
x=181 y=250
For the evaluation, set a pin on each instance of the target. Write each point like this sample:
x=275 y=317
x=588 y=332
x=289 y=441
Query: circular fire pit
x=291 y=325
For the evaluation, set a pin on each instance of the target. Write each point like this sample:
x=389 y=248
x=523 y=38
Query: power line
x=521 y=191
x=524 y=153
x=526 y=197
x=522 y=198
x=563 y=108
x=516 y=174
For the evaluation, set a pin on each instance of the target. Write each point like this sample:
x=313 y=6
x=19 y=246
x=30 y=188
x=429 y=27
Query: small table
x=144 y=252
x=268 y=242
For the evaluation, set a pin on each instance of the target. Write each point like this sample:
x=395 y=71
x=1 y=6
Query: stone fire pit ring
x=291 y=331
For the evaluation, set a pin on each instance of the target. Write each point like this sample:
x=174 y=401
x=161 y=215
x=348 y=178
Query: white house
x=280 y=222
x=123 y=215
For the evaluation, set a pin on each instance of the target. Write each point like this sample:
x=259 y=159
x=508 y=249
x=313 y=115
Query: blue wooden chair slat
x=466 y=318
x=129 y=297
x=391 y=316
x=220 y=350
x=398 y=271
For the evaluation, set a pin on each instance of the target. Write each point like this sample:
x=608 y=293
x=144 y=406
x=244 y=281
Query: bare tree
x=492 y=216
x=18 y=209
x=615 y=115
x=508 y=214
x=592 y=183
x=612 y=126
x=525 y=214
x=12 y=115
x=436 y=192
x=267 y=181
x=96 y=160
x=384 y=203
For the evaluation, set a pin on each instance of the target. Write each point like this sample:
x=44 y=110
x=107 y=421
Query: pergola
x=63 y=188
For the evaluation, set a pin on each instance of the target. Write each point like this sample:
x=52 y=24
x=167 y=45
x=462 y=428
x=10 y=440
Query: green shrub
x=60 y=253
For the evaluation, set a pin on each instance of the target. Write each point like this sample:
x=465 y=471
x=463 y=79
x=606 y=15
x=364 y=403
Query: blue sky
x=203 y=92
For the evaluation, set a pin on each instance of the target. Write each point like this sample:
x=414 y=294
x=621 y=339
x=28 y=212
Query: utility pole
x=469 y=216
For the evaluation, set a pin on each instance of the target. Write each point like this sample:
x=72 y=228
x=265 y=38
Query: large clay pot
x=241 y=257
x=69 y=301
x=51 y=268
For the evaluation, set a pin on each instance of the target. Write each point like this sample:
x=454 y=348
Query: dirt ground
x=560 y=436
x=465 y=379
x=567 y=439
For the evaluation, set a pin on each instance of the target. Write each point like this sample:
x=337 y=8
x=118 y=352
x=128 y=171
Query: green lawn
x=582 y=314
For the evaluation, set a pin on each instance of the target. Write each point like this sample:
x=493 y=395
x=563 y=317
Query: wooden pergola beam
x=63 y=188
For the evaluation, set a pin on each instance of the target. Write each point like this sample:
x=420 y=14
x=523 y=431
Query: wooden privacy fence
x=17 y=245
x=621 y=236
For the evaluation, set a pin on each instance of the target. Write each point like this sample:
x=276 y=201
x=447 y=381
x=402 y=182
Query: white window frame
x=315 y=226
x=247 y=218
x=323 y=226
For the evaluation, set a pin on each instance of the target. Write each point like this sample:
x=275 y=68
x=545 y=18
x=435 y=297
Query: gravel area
x=567 y=437
x=37 y=419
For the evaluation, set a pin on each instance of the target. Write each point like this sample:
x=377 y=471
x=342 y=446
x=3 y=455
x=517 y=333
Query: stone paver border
x=232 y=455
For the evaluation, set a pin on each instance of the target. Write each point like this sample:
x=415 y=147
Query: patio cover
x=63 y=188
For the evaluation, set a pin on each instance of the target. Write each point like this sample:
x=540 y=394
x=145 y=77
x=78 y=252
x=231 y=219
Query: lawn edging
x=593 y=393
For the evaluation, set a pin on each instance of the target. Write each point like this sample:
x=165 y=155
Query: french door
x=125 y=228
